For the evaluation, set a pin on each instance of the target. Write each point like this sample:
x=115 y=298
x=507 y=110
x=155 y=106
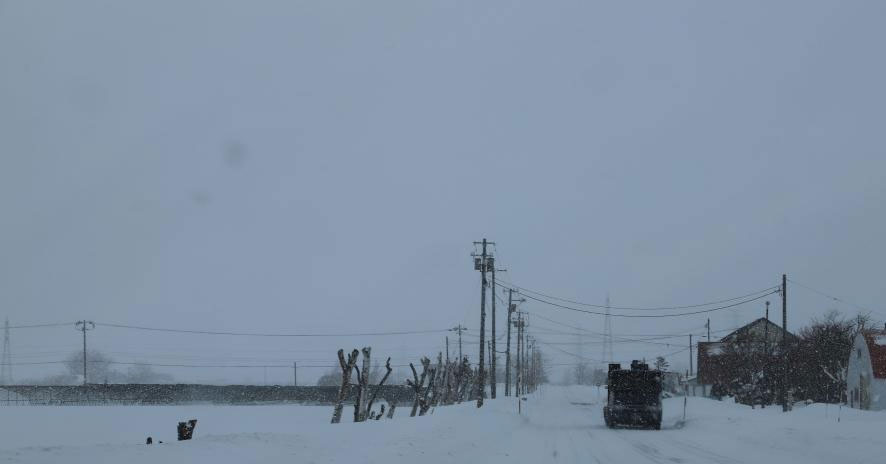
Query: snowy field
x=559 y=424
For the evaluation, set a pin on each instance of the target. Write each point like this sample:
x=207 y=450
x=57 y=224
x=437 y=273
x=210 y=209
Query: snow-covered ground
x=558 y=424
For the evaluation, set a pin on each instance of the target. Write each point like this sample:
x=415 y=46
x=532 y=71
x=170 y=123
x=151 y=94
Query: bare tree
x=360 y=411
x=464 y=380
x=425 y=402
x=437 y=384
x=346 y=369
x=375 y=392
x=417 y=383
x=391 y=406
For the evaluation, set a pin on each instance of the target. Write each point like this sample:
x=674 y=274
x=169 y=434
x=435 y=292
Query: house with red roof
x=866 y=374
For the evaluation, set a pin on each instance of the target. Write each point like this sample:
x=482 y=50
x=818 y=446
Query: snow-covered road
x=558 y=424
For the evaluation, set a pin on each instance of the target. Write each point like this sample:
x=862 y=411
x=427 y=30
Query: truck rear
x=634 y=397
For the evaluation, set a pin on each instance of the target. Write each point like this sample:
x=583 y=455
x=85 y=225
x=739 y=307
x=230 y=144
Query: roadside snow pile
x=558 y=424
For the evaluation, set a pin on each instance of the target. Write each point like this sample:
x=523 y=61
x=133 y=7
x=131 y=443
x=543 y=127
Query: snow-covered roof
x=758 y=329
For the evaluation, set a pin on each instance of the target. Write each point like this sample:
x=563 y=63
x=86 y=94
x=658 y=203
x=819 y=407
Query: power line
x=635 y=308
x=255 y=334
x=650 y=315
x=34 y=326
x=624 y=338
x=830 y=297
x=623 y=335
x=570 y=353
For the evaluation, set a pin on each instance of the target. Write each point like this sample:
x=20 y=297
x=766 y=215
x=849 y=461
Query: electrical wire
x=649 y=315
x=34 y=326
x=661 y=336
x=830 y=297
x=254 y=334
x=635 y=308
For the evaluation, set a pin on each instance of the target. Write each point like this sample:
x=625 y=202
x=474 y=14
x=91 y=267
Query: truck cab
x=634 y=397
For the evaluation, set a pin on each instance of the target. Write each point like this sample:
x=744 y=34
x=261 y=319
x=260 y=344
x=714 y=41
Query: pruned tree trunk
x=391 y=406
x=450 y=382
x=382 y=382
x=437 y=382
x=425 y=400
x=346 y=369
x=465 y=380
x=360 y=405
x=417 y=383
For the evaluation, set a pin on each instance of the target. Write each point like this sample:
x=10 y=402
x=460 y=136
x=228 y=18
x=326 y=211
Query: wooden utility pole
x=690 y=354
x=83 y=326
x=492 y=380
x=511 y=307
x=784 y=341
x=447 y=349
x=294 y=373
x=494 y=356
x=482 y=262
x=766 y=329
x=708 y=325
x=459 y=329
x=518 y=324
x=523 y=324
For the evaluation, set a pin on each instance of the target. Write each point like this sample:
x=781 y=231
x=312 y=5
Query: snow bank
x=557 y=424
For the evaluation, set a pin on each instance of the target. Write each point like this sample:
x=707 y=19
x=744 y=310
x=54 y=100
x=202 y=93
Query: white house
x=866 y=374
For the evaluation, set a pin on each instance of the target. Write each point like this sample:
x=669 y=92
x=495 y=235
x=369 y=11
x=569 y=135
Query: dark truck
x=634 y=398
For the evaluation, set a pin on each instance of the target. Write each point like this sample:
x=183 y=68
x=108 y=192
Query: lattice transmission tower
x=6 y=359
x=607 y=356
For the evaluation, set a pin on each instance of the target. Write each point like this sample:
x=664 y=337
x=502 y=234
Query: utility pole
x=6 y=359
x=294 y=373
x=489 y=348
x=83 y=326
x=447 y=349
x=521 y=355
x=526 y=360
x=690 y=354
x=784 y=341
x=493 y=356
x=459 y=329
x=517 y=381
x=766 y=330
x=511 y=308
x=482 y=263
x=708 y=325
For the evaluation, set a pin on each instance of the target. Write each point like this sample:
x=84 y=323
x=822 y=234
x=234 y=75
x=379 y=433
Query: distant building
x=758 y=341
x=866 y=374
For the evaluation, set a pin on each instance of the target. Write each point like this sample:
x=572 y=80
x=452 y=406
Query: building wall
x=863 y=391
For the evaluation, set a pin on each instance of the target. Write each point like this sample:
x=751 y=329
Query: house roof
x=876 y=341
x=756 y=329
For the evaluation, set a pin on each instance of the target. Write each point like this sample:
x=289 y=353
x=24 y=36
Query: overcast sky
x=323 y=167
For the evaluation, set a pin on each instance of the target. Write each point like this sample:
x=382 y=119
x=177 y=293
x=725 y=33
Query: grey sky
x=324 y=166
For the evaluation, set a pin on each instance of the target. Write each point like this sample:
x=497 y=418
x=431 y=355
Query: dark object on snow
x=149 y=441
x=186 y=429
x=634 y=397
